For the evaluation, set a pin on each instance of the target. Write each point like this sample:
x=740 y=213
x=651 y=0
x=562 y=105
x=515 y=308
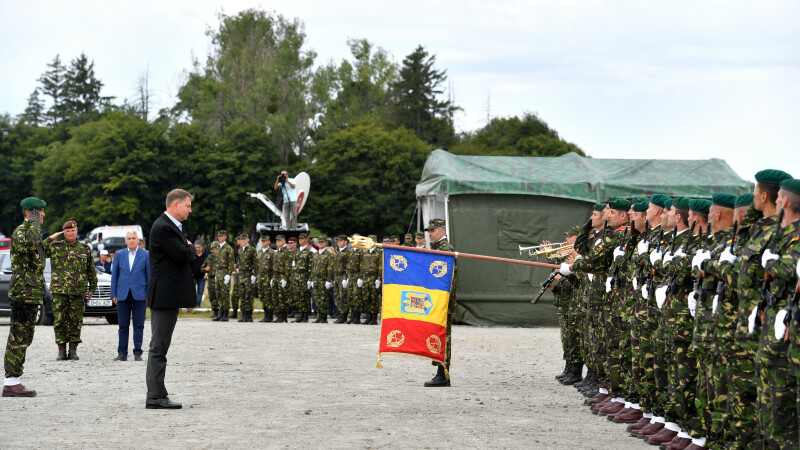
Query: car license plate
x=100 y=303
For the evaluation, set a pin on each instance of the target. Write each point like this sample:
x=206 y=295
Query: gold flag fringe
x=411 y=356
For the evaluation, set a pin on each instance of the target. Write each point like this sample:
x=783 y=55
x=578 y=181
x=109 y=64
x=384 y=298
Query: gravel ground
x=303 y=386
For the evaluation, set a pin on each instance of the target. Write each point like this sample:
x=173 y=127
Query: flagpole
x=469 y=255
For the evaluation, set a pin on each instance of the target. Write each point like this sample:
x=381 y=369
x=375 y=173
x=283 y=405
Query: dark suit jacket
x=171 y=284
x=125 y=278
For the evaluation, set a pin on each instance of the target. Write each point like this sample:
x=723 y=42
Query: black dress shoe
x=121 y=358
x=162 y=403
x=137 y=358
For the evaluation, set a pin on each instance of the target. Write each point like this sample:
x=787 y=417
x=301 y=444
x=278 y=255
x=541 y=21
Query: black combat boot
x=298 y=317
x=574 y=375
x=215 y=315
x=243 y=318
x=564 y=372
x=234 y=315
x=373 y=319
x=223 y=315
x=585 y=381
x=73 y=351
x=342 y=318
x=267 y=316
x=304 y=319
x=323 y=318
x=62 y=352
x=355 y=318
x=367 y=319
x=249 y=316
x=319 y=318
x=439 y=380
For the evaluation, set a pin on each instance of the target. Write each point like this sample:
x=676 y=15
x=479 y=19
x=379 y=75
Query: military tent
x=495 y=204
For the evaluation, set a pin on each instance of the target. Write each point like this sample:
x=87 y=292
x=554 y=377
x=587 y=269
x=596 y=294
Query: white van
x=96 y=236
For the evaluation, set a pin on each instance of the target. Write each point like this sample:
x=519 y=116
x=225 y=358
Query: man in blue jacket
x=130 y=273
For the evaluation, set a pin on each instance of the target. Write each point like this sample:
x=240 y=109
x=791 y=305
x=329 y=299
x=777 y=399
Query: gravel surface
x=303 y=386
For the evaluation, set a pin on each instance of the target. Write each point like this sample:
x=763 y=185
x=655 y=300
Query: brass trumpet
x=557 y=250
x=531 y=249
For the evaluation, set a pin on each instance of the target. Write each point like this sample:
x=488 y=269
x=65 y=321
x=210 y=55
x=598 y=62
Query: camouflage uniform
x=340 y=262
x=72 y=273
x=27 y=285
x=281 y=270
x=264 y=274
x=565 y=293
x=246 y=268
x=354 y=292
x=371 y=264
x=225 y=264
x=444 y=245
x=301 y=275
x=211 y=262
x=322 y=272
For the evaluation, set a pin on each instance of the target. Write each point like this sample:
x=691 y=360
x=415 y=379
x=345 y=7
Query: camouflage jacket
x=665 y=273
x=282 y=264
x=322 y=267
x=225 y=260
x=264 y=263
x=72 y=268
x=340 y=263
x=678 y=278
x=27 y=263
x=444 y=245
x=599 y=259
x=301 y=265
x=645 y=312
x=371 y=263
x=354 y=264
x=211 y=262
x=247 y=261
x=782 y=288
x=703 y=318
x=724 y=300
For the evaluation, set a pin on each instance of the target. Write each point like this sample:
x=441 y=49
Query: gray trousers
x=162 y=324
x=290 y=214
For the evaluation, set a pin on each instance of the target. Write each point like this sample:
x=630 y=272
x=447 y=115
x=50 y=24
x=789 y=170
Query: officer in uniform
x=409 y=240
x=420 y=239
x=371 y=264
x=264 y=277
x=322 y=279
x=438 y=234
x=354 y=285
x=281 y=271
x=26 y=290
x=340 y=263
x=72 y=272
x=210 y=268
x=246 y=271
x=301 y=279
x=225 y=266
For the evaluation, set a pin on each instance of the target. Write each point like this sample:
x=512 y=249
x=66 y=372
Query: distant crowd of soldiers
x=685 y=312
x=293 y=277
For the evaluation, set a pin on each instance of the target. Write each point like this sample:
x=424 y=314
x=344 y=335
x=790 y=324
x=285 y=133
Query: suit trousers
x=127 y=309
x=162 y=324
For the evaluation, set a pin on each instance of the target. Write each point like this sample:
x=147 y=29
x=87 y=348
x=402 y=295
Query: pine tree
x=82 y=87
x=34 y=113
x=54 y=86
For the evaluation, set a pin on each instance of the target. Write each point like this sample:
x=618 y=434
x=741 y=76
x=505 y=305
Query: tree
x=83 y=87
x=364 y=179
x=54 y=86
x=34 y=112
x=418 y=106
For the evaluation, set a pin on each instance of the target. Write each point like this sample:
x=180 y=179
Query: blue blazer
x=123 y=279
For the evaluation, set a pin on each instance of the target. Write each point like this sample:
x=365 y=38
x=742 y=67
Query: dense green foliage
x=362 y=128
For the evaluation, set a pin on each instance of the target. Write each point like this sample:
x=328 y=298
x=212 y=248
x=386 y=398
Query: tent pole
x=447 y=217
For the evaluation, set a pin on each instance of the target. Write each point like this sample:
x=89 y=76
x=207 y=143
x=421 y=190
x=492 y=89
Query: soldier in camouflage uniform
x=566 y=300
x=281 y=272
x=301 y=279
x=355 y=285
x=409 y=240
x=264 y=276
x=237 y=245
x=210 y=268
x=246 y=272
x=225 y=263
x=419 y=240
x=322 y=279
x=371 y=265
x=340 y=262
x=438 y=234
x=26 y=291
x=73 y=275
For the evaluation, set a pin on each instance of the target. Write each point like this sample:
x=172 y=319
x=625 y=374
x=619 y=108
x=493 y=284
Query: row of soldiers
x=685 y=312
x=286 y=278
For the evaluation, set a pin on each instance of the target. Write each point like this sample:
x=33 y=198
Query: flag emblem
x=398 y=263
x=415 y=303
x=438 y=269
x=395 y=339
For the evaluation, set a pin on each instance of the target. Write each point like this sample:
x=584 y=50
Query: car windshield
x=5 y=261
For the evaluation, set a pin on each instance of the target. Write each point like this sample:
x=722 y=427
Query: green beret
x=303 y=236
x=773 y=176
x=222 y=233
x=574 y=231
x=724 y=200
x=744 y=200
x=341 y=237
x=642 y=199
x=620 y=204
x=660 y=200
x=434 y=223
x=280 y=237
x=374 y=237
x=700 y=205
x=31 y=203
x=792 y=185
x=599 y=206
x=641 y=206
x=668 y=204
x=682 y=203
x=264 y=237
x=420 y=234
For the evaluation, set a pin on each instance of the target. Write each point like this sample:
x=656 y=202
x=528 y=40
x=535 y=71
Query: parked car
x=5 y=243
x=114 y=244
x=100 y=304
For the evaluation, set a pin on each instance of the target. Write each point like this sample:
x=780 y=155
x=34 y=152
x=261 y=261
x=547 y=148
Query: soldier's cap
x=69 y=224
x=215 y=244
x=264 y=237
x=395 y=238
x=387 y=238
x=104 y=252
x=792 y=185
x=420 y=234
x=682 y=203
x=724 y=200
x=573 y=231
x=408 y=236
x=280 y=237
x=744 y=200
x=303 y=236
x=222 y=233
x=641 y=206
x=641 y=199
x=772 y=176
x=668 y=204
x=599 y=206
x=292 y=239
x=700 y=205
x=620 y=204
x=341 y=237
x=31 y=203
x=327 y=240
x=373 y=237
x=660 y=200
x=435 y=223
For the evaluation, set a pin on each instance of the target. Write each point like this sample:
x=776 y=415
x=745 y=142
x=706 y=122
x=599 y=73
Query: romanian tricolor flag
x=416 y=292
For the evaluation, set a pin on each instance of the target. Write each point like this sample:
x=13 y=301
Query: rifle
x=639 y=270
x=721 y=283
x=697 y=286
x=545 y=284
x=650 y=287
x=767 y=298
x=615 y=273
x=673 y=278
x=794 y=310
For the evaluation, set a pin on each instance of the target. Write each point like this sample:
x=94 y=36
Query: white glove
x=227 y=279
x=661 y=296
x=608 y=284
x=751 y=320
x=618 y=252
x=283 y=283
x=643 y=247
x=564 y=270
x=359 y=282
x=780 y=327
x=635 y=283
x=798 y=268
x=767 y=257
x=692 y=300
x=309 y=284
x=645 y=293
x=668 y=257
x=377 y=284
x=327 y=285
x=656 y=255
x=699 y=257
x=271 y=282
x=591 y=277
x=714 y=304
x=678 y=253
x=252 y=279
x=344 y=283
x=727 y=256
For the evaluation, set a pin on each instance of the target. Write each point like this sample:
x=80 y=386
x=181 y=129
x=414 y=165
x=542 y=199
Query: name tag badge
x=598 y=242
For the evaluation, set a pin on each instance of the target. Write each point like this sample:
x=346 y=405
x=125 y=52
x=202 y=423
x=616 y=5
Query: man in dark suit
x=170 y=288
x=130 y=272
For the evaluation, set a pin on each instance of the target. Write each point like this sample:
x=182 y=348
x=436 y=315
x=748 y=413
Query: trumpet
x=531 y=249
x=557 y=250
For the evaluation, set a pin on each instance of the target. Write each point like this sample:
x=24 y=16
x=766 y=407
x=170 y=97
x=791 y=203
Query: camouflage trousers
x=742 y=399
x=701 y=395
x=20 y=336
x=322 y=297
x=615 y=329
x=777 y=403
x=682 y=374
x=223 y=292
x=68 y=315
x=719 y=401
x=212 y=291
x=301 y=295
x=662 y=355
x=265 y=293
x=281 y=296
x=451 y=314
x=371 y=295
x=355 y=297
x=235 y=293
x=645 y=374
x=244 y=292
x=571 y=339
x=340 y=296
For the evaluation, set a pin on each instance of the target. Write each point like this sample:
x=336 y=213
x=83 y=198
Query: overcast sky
x=621 y=79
